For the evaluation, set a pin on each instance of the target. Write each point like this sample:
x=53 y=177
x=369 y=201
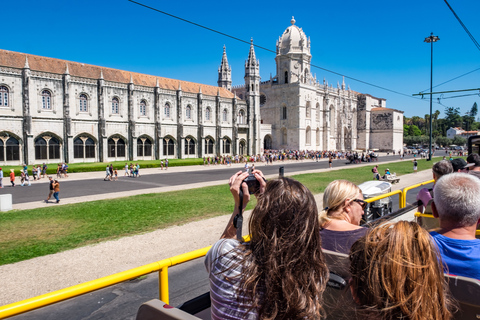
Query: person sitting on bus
x=425 y=195
x=340 y=219
x=396 y=275
x=475 y=169
x=457 y=206
x=281 y=273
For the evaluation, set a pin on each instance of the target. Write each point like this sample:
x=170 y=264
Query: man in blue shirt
x=457 y=206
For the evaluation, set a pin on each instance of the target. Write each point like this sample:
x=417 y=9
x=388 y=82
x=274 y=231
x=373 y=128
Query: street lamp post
x=431 y=39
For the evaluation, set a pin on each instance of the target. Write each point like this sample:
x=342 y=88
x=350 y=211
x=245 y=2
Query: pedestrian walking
x=126 y=170
x=161 y=164
x=34 y=173
x=376 y=175
x=115 y=172
x=22 y=178
x=39 y=172
x=56 y=189
x=166 y=163
x=107 y=174
x=51 y=188
x=12 y=177
x=415 y=164
x=330 y=161
x=1 y=178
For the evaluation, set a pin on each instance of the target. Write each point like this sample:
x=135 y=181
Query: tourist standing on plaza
x=44 y=170
x=115 y=172
x=1 y=178
x=56 y=189
x=51 y=188
x=166 y=163
x=22 y=177
x=34 y=173
x=415 y=165
x=330 y=161
x=126 y=170
x=12 y=177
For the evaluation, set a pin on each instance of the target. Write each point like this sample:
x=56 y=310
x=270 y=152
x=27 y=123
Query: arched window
x=143 y=108
x=286 y=76
x=284 y=113
x=168 y=147
x=226 y=145
x=46 y=100
x=144 y=147
x=188 y=112
x=308 y=110
x=317 y=112
x=209 y=146
x=47 y=147
x=3 y=96
x=317 y=136
x=83 y=147
x=207 y=114
x=116 y=147
x=83 y=103
x=189 y=146
x=243 y=149
x=115 y=106
x=9 y=150
x=224 y=115
x=308 y=138
x=166 y=110
x=241 y=117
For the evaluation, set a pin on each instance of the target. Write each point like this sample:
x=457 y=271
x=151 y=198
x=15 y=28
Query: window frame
x=115 y=105
x=4 y=96
x=46 y=99
x=83 y=98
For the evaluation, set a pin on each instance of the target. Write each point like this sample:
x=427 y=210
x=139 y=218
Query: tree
x=435 y=118
x=443 y=141
x=414 y=131
x=474 y=110
x=459 y=141
x=452 y=117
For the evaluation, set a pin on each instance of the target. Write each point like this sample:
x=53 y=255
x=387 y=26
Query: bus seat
x=467 y=292
x=158 y=310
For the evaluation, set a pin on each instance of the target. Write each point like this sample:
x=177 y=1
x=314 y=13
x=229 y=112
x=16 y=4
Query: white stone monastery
x=54 y=110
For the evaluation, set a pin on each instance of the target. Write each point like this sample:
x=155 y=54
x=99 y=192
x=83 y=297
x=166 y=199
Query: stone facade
x=308 y=115
x=54 y=110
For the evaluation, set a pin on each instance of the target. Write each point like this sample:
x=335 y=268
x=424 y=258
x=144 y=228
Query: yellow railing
x=77 y=290
x=160 y=266
x=405 y=190
x=427 y=215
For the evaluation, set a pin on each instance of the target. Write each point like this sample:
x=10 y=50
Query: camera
x=252 y=183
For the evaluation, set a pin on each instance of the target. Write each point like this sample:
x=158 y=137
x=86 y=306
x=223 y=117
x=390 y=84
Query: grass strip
x=26 y=234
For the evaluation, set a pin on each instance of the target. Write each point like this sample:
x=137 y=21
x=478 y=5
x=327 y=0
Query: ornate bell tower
x=252 y=97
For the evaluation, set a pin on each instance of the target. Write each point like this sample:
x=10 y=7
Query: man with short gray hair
x=475 y=159
x=457 y=206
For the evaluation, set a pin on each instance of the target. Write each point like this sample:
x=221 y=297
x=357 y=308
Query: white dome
x=293 y=40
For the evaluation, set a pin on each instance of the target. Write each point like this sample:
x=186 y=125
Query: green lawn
x=25 y=234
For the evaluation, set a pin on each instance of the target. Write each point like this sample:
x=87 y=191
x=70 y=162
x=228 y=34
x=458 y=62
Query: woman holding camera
x=340 y=219
x=281 y=273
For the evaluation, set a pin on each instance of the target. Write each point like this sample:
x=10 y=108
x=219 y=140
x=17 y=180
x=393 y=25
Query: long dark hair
x=284 y=272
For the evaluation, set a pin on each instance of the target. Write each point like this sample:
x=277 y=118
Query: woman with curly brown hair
x=281 y=273
x=396 y=274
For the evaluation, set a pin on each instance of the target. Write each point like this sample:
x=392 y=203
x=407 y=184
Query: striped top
x=223 y=263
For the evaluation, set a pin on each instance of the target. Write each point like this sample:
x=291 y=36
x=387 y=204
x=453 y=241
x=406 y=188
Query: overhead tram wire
x=451 y=79
x=266 y=49
x=463 y=26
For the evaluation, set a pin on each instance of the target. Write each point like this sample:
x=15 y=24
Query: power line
x=452 y=79
x=463 y=26
x=266 y=49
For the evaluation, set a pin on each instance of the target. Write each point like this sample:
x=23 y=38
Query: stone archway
x=267 y=142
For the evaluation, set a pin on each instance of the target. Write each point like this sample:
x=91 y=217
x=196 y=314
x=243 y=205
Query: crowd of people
x=396 y=269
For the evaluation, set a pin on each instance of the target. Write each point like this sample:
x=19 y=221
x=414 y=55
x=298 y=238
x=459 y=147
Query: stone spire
x=225 y=73
x=66 y=69
x=252 y=60
x=343 y=83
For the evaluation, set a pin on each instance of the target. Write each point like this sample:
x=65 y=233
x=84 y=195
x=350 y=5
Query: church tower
x=293 y=56
x=225 y=73
x=252 y=97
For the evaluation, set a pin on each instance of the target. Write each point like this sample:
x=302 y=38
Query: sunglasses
x=361 y=202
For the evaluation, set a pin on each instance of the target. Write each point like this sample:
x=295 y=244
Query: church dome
x=293 y=40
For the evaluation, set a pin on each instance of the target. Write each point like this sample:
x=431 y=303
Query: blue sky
x=376 y=41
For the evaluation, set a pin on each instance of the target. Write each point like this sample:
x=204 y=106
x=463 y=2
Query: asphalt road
x=71 y=189
x=186 y=281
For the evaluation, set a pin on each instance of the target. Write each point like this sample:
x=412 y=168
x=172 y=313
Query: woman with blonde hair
x=281 y=273
x=396 y=274
x=340 y=219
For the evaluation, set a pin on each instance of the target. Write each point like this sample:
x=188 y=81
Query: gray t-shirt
x=341 y=241
x=223 y=263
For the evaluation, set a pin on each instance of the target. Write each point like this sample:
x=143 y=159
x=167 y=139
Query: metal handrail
x=83 y=288
x=405 y=190
x=159 y=266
